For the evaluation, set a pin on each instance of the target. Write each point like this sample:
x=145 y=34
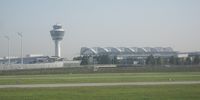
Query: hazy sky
x=128 y=23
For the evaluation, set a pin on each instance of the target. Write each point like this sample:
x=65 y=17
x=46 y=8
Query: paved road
x=98 y=84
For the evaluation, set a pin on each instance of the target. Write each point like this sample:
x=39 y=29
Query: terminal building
x=138 y=54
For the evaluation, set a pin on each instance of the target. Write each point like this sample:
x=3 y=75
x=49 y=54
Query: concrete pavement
x=98 y=84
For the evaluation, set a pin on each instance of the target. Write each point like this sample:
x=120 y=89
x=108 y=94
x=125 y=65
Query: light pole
x=8 y=38
x=20 y=35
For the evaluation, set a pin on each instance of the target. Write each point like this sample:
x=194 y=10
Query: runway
x=99 y=84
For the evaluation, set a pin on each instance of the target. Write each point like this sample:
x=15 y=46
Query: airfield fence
x=92 y=69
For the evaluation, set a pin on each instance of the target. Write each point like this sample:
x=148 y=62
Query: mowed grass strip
x=99 y=78
x=159 y=92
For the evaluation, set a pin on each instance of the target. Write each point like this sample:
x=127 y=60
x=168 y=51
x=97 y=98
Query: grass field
x=99 y=78
x=160 y=92
x=150 y=92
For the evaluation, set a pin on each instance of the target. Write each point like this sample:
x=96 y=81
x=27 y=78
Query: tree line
x=101 y=59
x=150 y=60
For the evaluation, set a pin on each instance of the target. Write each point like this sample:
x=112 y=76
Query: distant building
x=30 y=59
x=194 y=53
x=26 y=60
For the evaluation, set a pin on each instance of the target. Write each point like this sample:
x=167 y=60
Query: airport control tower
x=57 y=35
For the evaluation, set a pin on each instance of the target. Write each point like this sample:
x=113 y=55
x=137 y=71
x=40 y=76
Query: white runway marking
x=98 y=84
